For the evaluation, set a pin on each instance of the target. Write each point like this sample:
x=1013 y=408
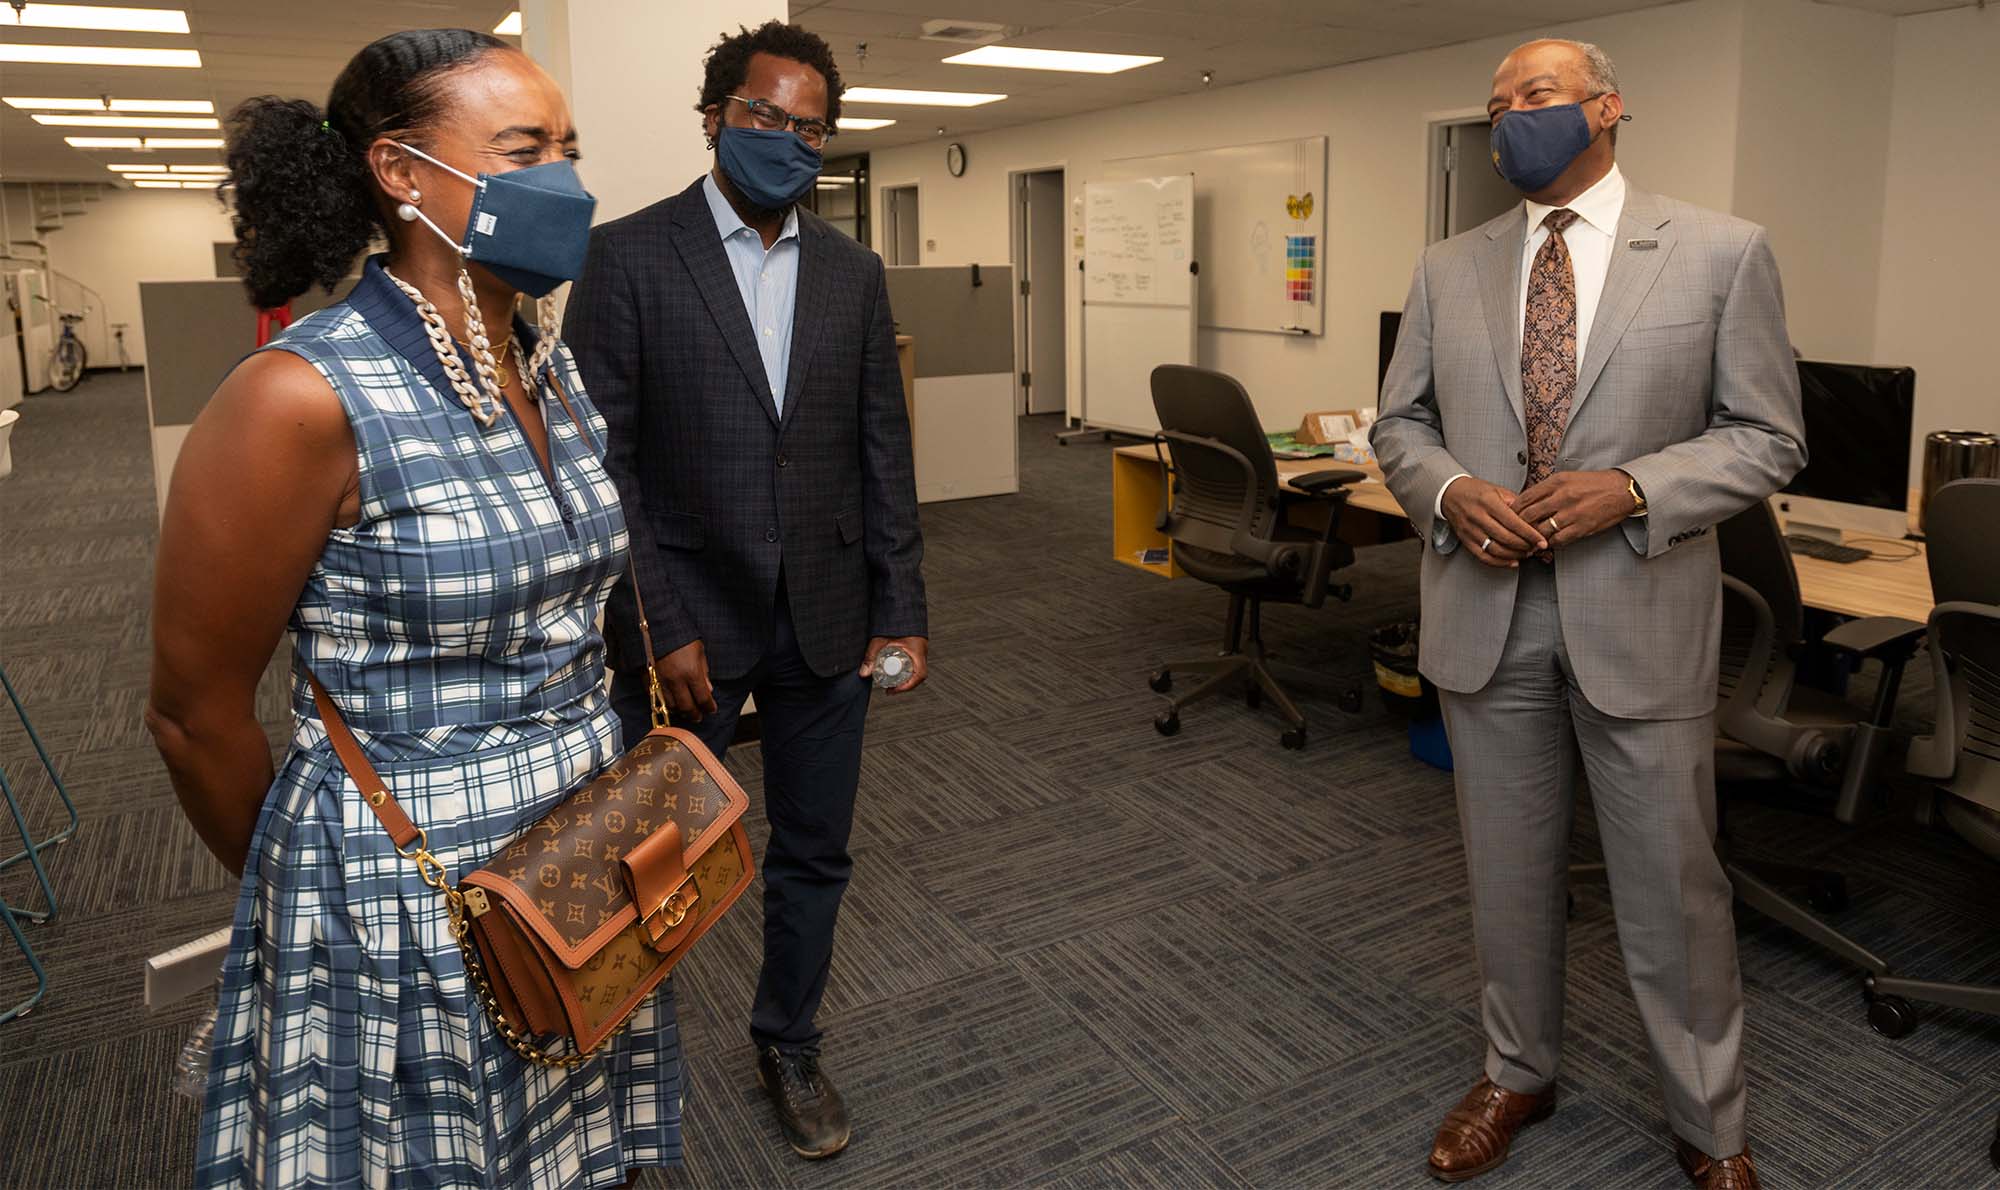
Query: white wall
x=1812 y=146
x=633 y=70
x=1940 y=252
x=1680 y=69
x=128 y=236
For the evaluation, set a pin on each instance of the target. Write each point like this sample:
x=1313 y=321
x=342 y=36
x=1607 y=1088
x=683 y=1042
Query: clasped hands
x=1501 y=527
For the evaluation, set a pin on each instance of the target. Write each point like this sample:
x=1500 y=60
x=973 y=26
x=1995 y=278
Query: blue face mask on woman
x=772 y=167
x=529 y=227
x=1533 y=146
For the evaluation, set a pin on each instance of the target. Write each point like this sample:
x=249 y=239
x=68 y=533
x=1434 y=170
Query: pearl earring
x=406 y=213
x=416 y=196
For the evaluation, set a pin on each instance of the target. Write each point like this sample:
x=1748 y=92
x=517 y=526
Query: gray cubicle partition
x=195 y=332
x=964 y=332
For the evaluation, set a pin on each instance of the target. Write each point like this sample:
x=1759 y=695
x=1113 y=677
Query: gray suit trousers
x=1516 y=744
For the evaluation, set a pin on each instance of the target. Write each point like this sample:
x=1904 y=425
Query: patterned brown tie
x=1548 y=347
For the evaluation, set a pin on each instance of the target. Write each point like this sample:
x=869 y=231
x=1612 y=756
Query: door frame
x=1017 y=237
x=883 y=229
x=1436 y=205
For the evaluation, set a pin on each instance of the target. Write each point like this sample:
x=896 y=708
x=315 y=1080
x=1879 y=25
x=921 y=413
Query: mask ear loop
x=475 y=326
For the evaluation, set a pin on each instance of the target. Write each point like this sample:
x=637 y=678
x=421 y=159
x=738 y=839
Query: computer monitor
x=1857 y=473
x=1385 y=348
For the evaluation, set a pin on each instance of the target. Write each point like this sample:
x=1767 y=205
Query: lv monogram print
x=567 y=864
x=1548 y=347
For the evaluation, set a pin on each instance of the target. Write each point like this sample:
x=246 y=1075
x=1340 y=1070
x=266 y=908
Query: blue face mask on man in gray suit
x=1533 y=146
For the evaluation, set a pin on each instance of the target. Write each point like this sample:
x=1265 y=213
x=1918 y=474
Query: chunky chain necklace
x=485 y=401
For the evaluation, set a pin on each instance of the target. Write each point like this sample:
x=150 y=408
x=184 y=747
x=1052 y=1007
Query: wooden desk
x=1867 y=588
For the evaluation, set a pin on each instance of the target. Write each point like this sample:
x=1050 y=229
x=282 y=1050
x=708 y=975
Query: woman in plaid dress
x=441 y=539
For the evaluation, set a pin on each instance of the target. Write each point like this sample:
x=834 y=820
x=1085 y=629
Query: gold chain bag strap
x=566 y=931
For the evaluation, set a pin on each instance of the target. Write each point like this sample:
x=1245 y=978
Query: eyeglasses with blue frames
x=771 y=118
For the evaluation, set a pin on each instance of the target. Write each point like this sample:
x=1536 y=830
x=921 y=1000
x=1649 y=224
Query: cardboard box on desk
x=1321 y=429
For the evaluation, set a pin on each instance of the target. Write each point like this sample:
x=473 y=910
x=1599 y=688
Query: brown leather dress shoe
x=1716 y=1173
x=1478 y=1132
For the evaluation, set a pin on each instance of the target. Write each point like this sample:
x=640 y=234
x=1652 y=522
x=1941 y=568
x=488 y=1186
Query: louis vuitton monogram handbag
x=567 y=929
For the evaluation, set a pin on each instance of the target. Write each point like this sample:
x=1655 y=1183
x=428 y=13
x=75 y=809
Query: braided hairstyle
x=305 y=200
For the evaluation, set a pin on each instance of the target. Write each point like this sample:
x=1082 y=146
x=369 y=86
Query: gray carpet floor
x=1075 y=953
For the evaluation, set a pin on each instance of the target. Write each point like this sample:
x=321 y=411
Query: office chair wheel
x=1169 y=723
x=1161 y=681
x=1253 y=697
x=1827 y=892
x=1350 y=700
x=1293 y=737
x=1891 y=1016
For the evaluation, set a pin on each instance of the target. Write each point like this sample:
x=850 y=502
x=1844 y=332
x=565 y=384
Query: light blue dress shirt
x=768 y=281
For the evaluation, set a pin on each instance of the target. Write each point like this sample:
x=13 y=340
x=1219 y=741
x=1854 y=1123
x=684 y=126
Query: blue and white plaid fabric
x=455 y=627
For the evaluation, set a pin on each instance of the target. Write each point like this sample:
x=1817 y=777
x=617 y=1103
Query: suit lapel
x=1498 y=261
x=808 y=308
x=699 y=243
x=1626 y=283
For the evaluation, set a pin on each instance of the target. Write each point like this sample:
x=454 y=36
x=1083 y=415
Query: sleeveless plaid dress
x=456 y=628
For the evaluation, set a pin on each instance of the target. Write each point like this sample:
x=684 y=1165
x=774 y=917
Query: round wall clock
x=954 y=159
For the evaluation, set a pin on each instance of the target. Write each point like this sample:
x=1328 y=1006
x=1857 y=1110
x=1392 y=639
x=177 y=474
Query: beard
x=750 y=209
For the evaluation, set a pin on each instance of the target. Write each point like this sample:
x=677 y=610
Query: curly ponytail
x=305 y=200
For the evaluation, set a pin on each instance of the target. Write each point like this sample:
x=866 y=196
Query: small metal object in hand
x=893 y=667
x=1484 y=544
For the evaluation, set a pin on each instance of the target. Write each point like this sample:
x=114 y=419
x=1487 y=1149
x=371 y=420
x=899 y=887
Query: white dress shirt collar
x=1598 y=206
x=728 y=222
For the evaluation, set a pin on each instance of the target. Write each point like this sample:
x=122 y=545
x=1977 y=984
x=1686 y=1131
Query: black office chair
x=1961 y=756
x=1773 y=734
x=1225 y=514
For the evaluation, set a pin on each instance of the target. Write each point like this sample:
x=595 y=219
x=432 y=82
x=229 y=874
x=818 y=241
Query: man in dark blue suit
x=742 y=352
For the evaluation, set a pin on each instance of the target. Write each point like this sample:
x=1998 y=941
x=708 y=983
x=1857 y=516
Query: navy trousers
x=811 y=728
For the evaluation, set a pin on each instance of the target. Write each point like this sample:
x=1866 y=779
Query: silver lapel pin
x=1642 y=245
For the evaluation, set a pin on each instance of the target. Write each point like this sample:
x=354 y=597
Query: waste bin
x=1956 y=454
x=1393 y=649
x=7 y=419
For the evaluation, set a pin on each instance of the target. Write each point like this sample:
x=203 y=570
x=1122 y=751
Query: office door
x=1466 y=190
x=900 y=242
x=1042 y=355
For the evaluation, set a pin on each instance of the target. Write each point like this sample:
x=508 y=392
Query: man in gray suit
x=1581 y=390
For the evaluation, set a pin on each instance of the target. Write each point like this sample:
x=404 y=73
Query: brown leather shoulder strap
x=401 y=830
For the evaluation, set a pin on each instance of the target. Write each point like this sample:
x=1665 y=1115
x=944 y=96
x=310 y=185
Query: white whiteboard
x=1248 y=202
x=1137 y=240
x=1139 y=295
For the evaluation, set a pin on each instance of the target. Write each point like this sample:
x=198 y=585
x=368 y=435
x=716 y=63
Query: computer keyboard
x=1821 y=548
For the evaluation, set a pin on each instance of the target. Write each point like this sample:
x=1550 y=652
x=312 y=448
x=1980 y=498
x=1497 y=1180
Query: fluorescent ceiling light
x=105 y=142
x=151 y=142
x=158 y=185
x=152 y=177
x=183 y=142
x=199 y=169
x=129 y=121
x=97 y=55
x=836 y=180
x=200 y=107
x=197 y=106
x=918 y=98
x=95 y=16
x=510 y=25
x=1075 y=61
x=862 y=123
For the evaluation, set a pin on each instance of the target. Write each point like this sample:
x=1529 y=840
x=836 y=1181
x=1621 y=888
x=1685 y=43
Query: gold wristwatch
x=1638 y=497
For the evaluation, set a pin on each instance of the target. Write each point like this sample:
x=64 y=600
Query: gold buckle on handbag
x=672 y=911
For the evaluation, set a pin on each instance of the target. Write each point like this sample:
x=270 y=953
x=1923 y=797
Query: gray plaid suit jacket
x=719 y=490
x=1688 y=383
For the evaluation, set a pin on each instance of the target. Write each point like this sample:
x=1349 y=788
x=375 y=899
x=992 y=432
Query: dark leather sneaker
x=1478 y=1132
x=809 y=1109
x=1716 y=1173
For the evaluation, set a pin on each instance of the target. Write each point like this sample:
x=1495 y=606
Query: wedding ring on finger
x=1553 y=527
x=1484 y=544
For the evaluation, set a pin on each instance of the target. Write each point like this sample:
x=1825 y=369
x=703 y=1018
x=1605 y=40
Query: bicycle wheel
x=65 y=365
